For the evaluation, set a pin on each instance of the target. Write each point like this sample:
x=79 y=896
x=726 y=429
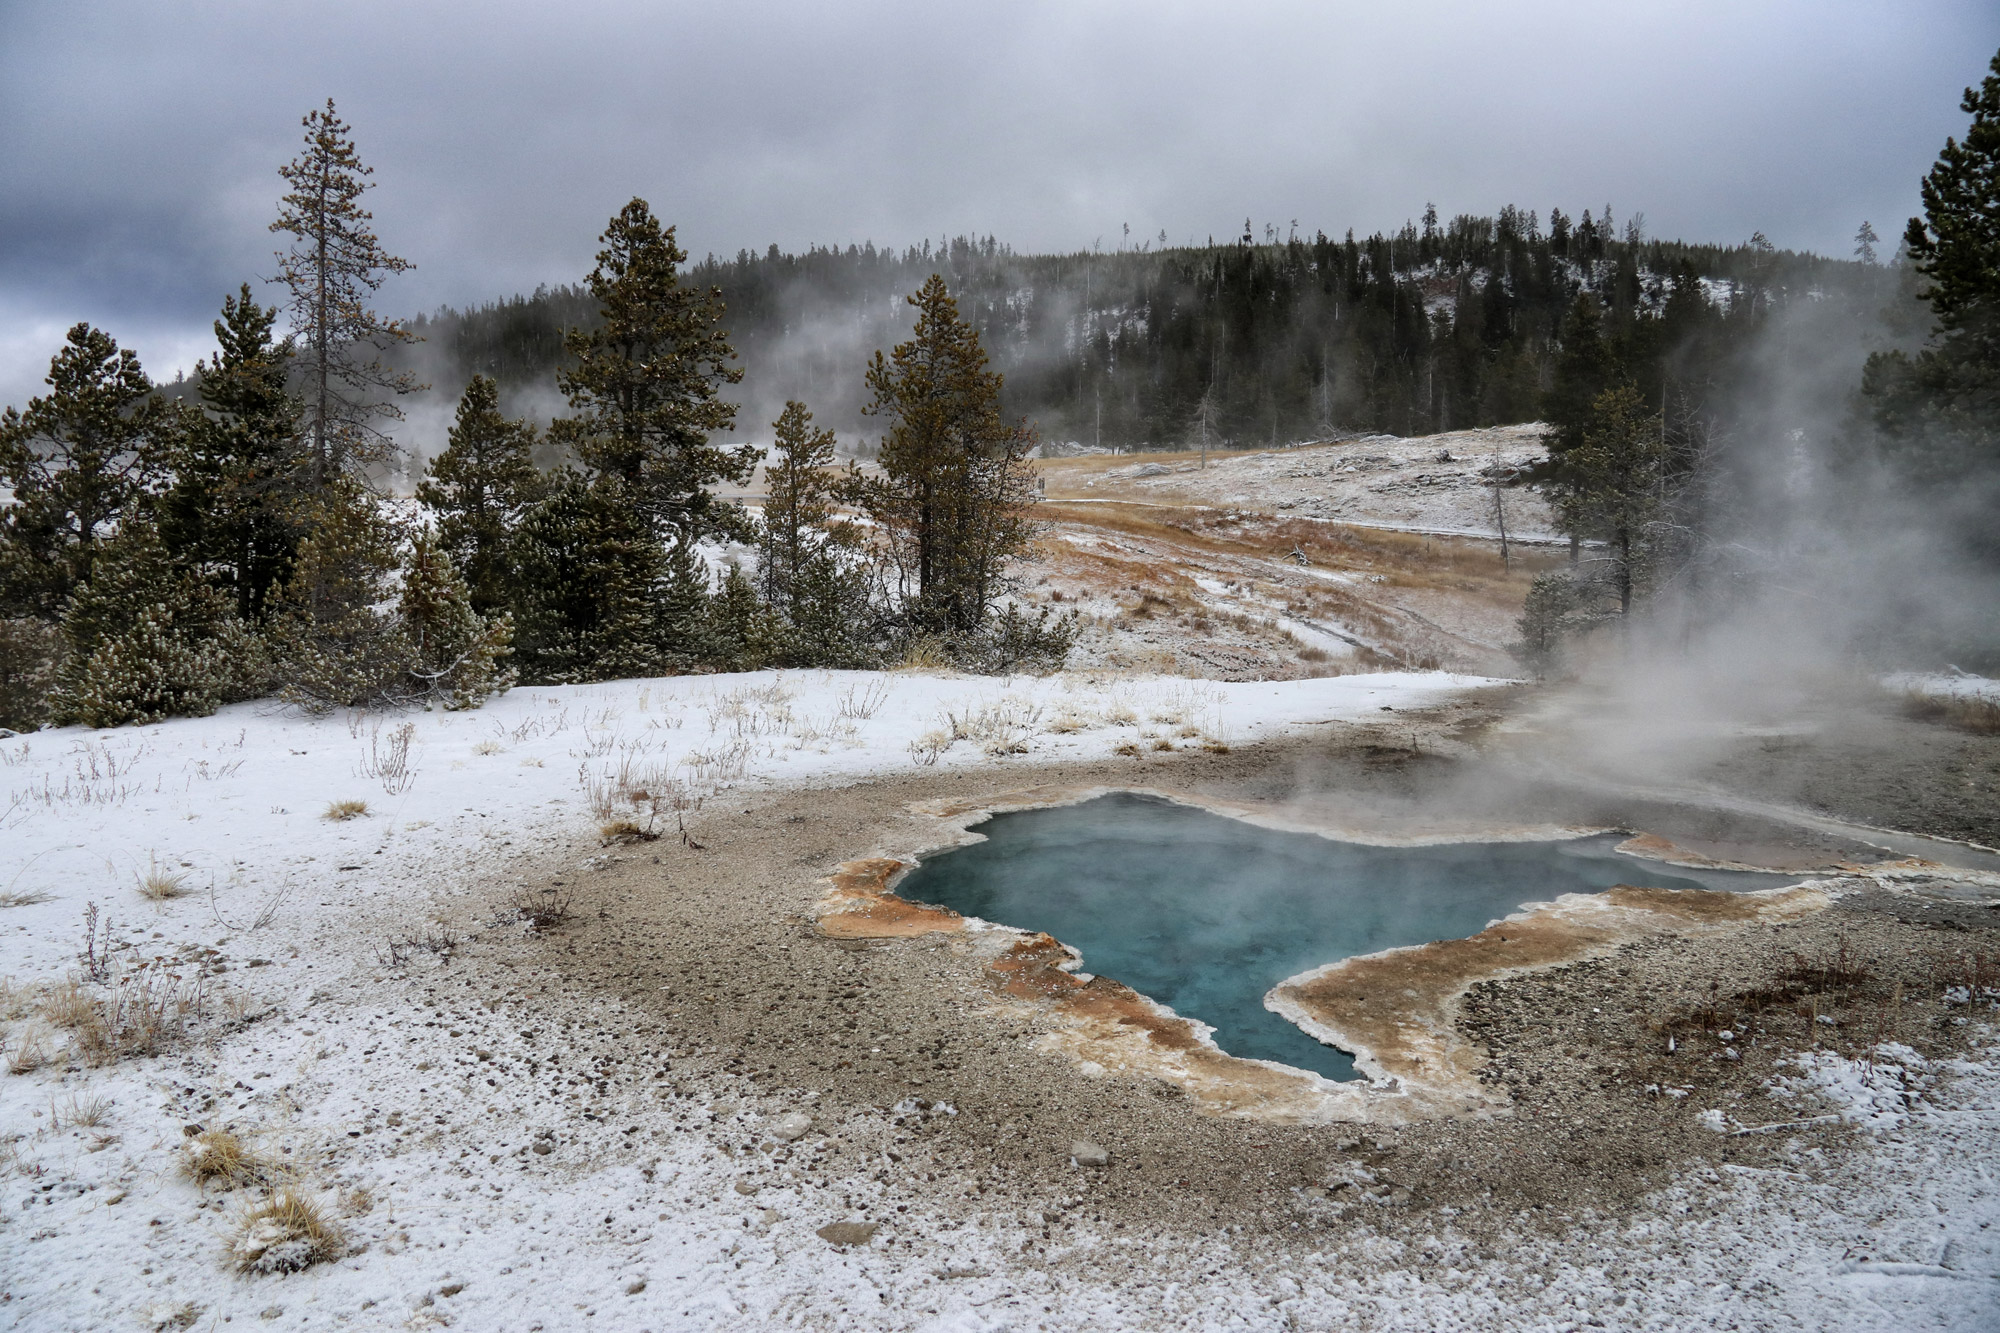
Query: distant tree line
x=1440 y=326
x=1642 y=414
x=164 y=553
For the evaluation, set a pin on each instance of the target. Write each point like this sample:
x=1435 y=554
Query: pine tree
x=1545 y=622
x=744 y=634
x=228 y=511
x=810 y=566
x=1940 y=410
x=457 y=657
x=1613 y=488
x=28 y=652
x=335 y=637
x=332 y=269
x=146 y=639
x=956 y=490
x=645 y=391
x=591 y=580
x=76 y=462
x=478 y=488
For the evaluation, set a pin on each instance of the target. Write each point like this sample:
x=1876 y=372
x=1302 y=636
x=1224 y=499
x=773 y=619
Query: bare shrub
x=542 y=909
x=96 y=952
x=925 y=749
x=389 y=762
x=863 y=701
x=285 y=1234
x=341 y=811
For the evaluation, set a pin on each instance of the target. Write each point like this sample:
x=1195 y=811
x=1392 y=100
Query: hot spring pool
x=1206 y=914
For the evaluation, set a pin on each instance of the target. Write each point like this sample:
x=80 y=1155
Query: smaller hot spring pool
x=1206 y=914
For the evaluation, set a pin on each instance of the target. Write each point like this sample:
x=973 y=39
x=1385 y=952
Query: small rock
x=1084 y=1153
x=848 y=1233
x=271 y=1312
x=769 y=1217
x=791 y=1127
x=746 y=1187
x=542 y=1147
x=634 y=1288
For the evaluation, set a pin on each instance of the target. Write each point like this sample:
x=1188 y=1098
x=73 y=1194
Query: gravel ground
x=712 y=943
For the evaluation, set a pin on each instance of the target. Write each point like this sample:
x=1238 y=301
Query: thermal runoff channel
x=1206 y=914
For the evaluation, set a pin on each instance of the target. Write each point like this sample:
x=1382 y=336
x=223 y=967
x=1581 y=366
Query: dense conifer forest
x=1256 y=341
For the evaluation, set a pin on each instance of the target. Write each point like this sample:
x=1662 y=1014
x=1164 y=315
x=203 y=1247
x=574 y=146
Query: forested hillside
x=1438 y=327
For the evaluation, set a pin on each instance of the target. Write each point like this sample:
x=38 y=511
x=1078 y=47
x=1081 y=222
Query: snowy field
x=395 y=1094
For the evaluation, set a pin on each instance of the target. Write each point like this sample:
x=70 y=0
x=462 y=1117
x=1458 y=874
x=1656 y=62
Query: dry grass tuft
x=1066 y=722
x=924 y=655
x=69 y=1004
x=1966 y=712
x=1130 y=748
x=286 y=1234
x=344 y=810
x=492 y=747
x=16 y=1001
x=160 y=883
x=624 y=831
x=23 y=897
x=27 y=1054
x=222 y=1155
x=137 y=1013
x=80 y=1112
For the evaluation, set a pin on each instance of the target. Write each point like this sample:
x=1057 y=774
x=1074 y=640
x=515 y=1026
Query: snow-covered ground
x=1433 y=484
x=1945 y=685
x=469 y=1197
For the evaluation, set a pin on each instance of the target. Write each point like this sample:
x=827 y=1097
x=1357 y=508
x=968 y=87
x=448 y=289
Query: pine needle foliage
x=336 y=637
x=1612 y=487
x=811 y=561
x=591 y=581
x=744 y=633
x=956 y=489
x=146 y=639
x=478 y=488
x=457 y=657
x=235 y=480
x=331 y=271
x=76 y=462
x=645 y=389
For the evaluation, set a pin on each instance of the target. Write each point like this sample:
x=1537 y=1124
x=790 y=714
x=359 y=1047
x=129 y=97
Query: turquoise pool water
x=1206 y=914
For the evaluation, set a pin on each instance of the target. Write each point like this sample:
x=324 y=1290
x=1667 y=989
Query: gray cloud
x=139 y=142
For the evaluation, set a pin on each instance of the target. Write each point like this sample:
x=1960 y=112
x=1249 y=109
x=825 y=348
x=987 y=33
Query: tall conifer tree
x=956 y=486
x=331 y=271
x=645 y=391
x=229 y=510
x=479 y=487
x=77 y=462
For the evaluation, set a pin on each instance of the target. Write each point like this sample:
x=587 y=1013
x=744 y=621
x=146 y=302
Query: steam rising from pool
x=1205 y=914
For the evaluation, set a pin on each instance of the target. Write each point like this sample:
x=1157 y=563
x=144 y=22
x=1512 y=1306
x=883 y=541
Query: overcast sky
x=140 y=141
